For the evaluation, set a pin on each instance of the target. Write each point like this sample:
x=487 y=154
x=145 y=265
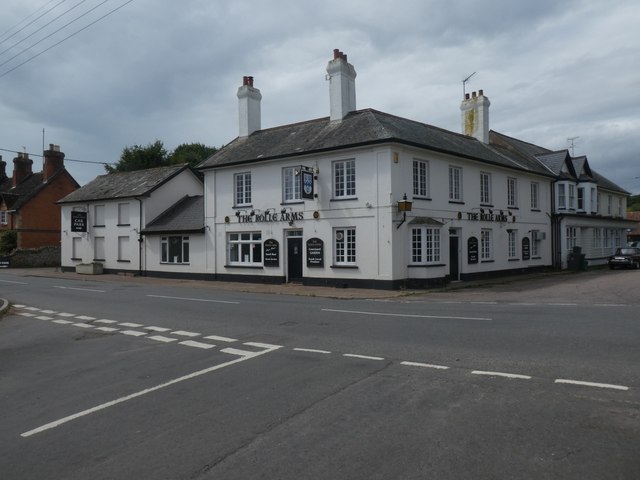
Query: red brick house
x=28 y=199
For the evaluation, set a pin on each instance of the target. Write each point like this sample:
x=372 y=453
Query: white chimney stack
x=342 y=86
x=475 y=116
x=249 y=107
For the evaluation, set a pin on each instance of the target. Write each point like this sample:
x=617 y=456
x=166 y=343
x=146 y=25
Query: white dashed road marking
x=591 y=384
x=80 y=289
x=160 y=338
x=157 y=329
x=194 y=299
x=216 y=338
x=364 y=357
x=63 y=322
x=501 y=374
x=104 y=320
x=133 y=333
x=107 y=329
x=130 y=325
x=311 y=350
x=406 y=315
x=424 y=365
x=182 y=333
x=192 y=343
x=82 y=325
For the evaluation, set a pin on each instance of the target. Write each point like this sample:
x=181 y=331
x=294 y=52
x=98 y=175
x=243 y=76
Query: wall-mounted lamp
x=404 y=206
x=482 y=211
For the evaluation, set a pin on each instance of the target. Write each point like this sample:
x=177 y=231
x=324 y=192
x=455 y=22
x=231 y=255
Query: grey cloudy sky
x=170 y=71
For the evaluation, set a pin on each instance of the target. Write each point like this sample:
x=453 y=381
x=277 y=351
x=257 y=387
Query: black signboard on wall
x=271 y=253
x=472 y=250
x=526 y=248
x=306 y=178
x=78 y=221
x=315 y=252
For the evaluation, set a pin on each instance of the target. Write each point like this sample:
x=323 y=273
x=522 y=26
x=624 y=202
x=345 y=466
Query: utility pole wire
x=66 y=38
x=30 y=23
x=41 y=28
x=65 y=159
x=51 y=34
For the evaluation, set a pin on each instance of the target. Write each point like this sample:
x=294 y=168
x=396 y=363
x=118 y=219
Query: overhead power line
x=65 y=38
x=65 y=158
x=30 y=23
x=42 y=28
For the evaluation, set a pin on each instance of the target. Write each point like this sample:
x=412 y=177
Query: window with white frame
x=291 y=184
x=425 y=245
x=344 y=246
x=455 y=184
x=572 y=196
x=513 y=243
x=597 y=237
x=244 y=248
x=535 y=196
x=535 y=243
x=618 y=238
x=3 y=217
x=485 y=188
x=75 y=248
x=562 y=196
x=344 y=179
x=598 y=202
x=123 y=249
x=420 y=178
x=580 y=205
x=571 y=238
x=486 y=244
x=98 y=215
x=98 y=248
x=594 y=201
x=174 y=249
x=123 y=214
x=609 y=204
x=242 y=187
x=607 y=238
x=512 y=192
x=619 y=206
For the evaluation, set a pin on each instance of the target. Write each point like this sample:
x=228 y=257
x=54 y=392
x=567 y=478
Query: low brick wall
x=35 y=257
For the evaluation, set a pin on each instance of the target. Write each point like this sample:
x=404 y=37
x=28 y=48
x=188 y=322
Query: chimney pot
x=467 y=96
x=336 y=53
x=481 y=93
x=473 y=94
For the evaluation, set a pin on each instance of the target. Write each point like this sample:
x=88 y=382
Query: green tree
x=191 y=153
x=139 y=158
x=154 y=154
x=633 y=204
x=8 y=242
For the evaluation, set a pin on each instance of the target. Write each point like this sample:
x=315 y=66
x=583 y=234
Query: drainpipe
x=139 y=237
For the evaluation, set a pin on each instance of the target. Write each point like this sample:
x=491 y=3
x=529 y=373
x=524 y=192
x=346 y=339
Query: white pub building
x=363 y=198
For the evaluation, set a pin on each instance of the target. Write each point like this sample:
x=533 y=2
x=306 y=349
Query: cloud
x=170 y=71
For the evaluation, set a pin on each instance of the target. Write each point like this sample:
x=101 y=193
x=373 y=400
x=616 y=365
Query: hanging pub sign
x=78 y=221
x=472 y=250
x=526 y=248
x=315 y=252
x=306 y=182
x=271 y=253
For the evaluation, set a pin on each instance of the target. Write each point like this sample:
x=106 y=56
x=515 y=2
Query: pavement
x=523 y=281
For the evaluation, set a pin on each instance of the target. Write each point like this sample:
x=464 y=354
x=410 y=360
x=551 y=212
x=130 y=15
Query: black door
x=454 y=268
x=294 y=259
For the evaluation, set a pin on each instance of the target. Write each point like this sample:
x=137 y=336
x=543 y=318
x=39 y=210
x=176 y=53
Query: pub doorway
x=294 y=255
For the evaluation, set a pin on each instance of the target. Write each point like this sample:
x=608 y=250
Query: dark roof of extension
x=28 y=188
x=184 y=216
x=578 y=167
x=112 y=186
x=361 y=128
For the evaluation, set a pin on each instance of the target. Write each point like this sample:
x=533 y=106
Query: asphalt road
x=122 y=379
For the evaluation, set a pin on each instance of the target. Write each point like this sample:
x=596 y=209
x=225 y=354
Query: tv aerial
x=464 y=84
x=572 y=143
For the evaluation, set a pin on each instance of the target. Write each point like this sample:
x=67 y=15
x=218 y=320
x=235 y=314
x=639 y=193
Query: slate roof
x=184 y=216
x=138 y=183
x=360 y=128
x=555 y=160
x=28 y=188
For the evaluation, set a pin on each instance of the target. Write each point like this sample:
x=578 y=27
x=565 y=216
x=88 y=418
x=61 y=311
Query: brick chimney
x=342 y=86
x=249 y=107
x=3 y=169
x=21 y=168
x=53 y=161
x=475 y=116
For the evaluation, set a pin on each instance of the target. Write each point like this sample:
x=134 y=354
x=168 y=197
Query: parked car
x=625 y=257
